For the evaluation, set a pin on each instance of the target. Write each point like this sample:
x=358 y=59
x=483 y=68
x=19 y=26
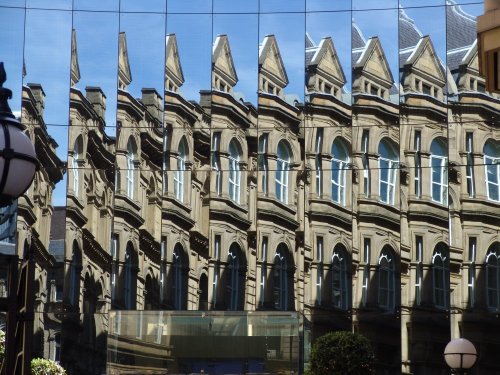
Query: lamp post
x=18 y=161
x=460 y=355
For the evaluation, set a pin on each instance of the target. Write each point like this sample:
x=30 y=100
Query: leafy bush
x=342 y=353
x=40 y=366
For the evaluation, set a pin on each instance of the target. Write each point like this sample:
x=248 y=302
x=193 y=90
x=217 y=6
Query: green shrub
x=342 y=353
x=40 y=366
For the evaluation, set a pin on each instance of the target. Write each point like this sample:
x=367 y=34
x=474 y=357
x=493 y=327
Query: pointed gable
x=174 y=77
x=271 y=67
x=224 y=72
x=425 y=62
x=75 y=68
x=124 y=73
x=327 y=61
x=373 y=64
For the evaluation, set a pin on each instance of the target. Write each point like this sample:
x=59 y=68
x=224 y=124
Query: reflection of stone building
x=374 y=210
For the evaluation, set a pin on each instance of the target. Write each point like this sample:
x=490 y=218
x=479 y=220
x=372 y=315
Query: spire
x=124 y=73
x=75 y=68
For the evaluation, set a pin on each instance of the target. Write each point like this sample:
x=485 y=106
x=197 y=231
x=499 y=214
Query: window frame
x=234 y=178
x=442 y=168
x=180 y=171
x=282 y=171
x=391 y=170
x=339 y=183
x=492 y=162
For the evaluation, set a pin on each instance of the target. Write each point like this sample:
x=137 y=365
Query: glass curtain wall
x=260 y=155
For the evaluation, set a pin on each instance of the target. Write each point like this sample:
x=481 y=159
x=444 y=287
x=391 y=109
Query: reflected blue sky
x=337 y=26
x=386 y=28
x=11 y=52
x=194 y=39
x=146 y=50
x=242 y=32
x=97 y=44
x=100 y=5
x=289 y=30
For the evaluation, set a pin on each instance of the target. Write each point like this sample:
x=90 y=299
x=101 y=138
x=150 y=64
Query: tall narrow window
x=319 y=169
x=340 y=158
x=166 y=156
x=130 y=170
x=366 y=163
x=493 y=276
x=280 y=278
x=263 y=166
x=181 y=170
x=340 y=285
x=74 y=276
x=366 y=270
x=215 y=161
x=492 y=169
x=419 y=251
x=114 y=265
x=235 y=279
x=163 y=249
x=234 y=172
x=74 y=166
x=470 y=164
x=263 y=271
x=439 y=171
x=319 y=276
x=471 y=279
x=178 y=278
x=418 y=164
x=129 y=279
x=386 y=279
x=441 y=276
x=282 y=172
x=388 y=163
x=217 y=242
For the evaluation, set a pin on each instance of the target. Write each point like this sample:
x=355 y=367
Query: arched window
x=441 y=276
x=280 y=278
x=129 y=279
x=77 y=154
x=388 y=163
x=387 y=279
x=493 y=276
x=492 y=169
x=74 y=276
x=178 y=278
x=282 y=171
x=340 y=280
x=180 y=171
x=439 y=171
x=235 y=279
x=340 y=158
x=234 y=172
x=130 y=169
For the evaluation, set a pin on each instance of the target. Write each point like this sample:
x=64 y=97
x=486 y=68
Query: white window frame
x=234 y=172
x=76 y=170
x=495 y=289
x=390 y=287
x=469 y=169
x=130 y=175
x=418 y=164
x=392 y=168
x=263 y=166
x=180 y=171
x=282 y=173
x=178 y=280
x=440 y=271
x=216 y=166
x=471 y=277
x=442 y=183
x=366 y=270
x=494 y=164
x=340 y=294
x=319 y=275
x=234 y=281
x=280 y=269
x=419 y=253
x=339 y=183
x=318 y=160
x=366 y=164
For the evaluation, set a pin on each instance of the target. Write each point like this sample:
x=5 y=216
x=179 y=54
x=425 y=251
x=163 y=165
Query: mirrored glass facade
x=337 y=160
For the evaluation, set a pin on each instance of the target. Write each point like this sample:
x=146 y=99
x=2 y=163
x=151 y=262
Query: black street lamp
x=460 y=355
x=18 y=161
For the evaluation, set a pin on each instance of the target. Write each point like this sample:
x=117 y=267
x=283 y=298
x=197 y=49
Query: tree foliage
x=342 y=353
x=40 y=366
